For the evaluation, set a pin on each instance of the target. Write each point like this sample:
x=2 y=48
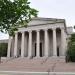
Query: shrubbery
x=70 y=54
x=3 y=49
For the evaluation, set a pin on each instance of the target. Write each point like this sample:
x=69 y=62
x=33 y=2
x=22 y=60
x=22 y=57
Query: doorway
x=41 y=53
x=35 y=50
x=19 y=52
x=57 y=51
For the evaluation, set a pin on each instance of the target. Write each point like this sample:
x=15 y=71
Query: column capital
x=45 y=29
x=37 y=30
x=16 y=32
x=30 y=31
x=10 y=37
x=22 y=31
x=53 y=28
x=62 y=29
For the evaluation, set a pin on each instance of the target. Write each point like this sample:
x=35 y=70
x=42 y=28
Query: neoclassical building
x=43 y=37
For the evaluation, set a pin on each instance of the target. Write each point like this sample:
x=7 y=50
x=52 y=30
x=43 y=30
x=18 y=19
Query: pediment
x=40 y=21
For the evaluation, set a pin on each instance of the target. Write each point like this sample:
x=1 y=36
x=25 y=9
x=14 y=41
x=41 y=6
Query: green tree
x=71 y=49
x=3 y=49
x=14 y=14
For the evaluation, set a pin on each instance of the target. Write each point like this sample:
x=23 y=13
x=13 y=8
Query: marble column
x=16 y=45
x=63 y=42
x=30 y=44
x=46 y=43
x=38 y=44
x=9 y=46
x=23 y=44
x=54 y=43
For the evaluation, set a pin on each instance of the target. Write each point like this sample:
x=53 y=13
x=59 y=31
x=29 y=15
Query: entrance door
x=35 y=49
x=41 y=50
x=57 y=51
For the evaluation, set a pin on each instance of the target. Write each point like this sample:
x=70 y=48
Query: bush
x=3 y=49
x=70 y=54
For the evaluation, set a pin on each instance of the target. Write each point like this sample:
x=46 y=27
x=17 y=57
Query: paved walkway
x=37 y=73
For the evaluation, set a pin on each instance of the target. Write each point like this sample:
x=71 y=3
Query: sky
x=62 y=9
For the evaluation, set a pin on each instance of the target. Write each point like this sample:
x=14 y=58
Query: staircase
x=41 y=64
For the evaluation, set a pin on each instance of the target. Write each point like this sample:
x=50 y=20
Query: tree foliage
x=71 y=48
x=3 y=49
x=14 y=14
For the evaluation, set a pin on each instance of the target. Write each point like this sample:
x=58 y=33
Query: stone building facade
x=43 y=37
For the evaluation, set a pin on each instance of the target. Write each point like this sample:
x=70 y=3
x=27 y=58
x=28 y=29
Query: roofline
x=45 y=19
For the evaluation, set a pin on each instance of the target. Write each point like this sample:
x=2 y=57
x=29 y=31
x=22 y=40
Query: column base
x=8 y=57
x=37 y=57
x=54 y=56
x=30 y=57
x=62 y=56
x=15 y=56
x=22 y=57
x=45 y=56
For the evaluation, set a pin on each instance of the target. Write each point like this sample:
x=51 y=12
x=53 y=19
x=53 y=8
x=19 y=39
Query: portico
x=41 y=40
